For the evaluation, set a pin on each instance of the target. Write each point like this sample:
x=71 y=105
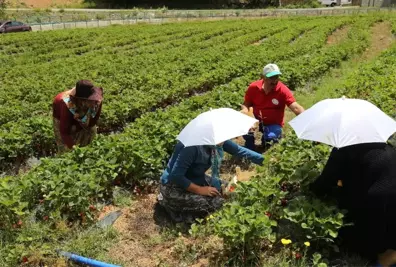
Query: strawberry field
x=156 y=79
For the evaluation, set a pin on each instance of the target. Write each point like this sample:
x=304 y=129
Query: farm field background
x=156 y=78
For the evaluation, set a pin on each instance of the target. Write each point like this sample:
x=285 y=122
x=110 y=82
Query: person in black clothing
x=362 y=178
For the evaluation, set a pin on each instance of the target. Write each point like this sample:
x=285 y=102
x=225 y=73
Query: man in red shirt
x=268 y=97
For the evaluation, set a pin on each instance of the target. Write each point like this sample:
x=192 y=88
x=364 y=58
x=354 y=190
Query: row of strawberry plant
x=17 y=146
x=275 y=211
x=42 y=144
x=374 y=82
x=18 y=47
x=320 y=60
x=56 y=189
x=299 y=223
x=137 y=154
x=37 y=100
x=121 y=39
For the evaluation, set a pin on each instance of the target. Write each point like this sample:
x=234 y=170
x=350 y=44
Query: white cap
x=271 y=70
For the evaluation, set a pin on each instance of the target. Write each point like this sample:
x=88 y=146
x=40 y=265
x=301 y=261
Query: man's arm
x=296 y=108
x=246 y=106
x=291 y=102
x=247 y=101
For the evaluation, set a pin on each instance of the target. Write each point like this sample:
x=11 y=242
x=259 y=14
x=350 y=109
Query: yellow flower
x=285 y=241
x=307 y=244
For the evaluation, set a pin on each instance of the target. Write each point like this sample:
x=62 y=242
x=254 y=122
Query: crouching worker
x=362 y=178
x=186 y=192
x=75 y=115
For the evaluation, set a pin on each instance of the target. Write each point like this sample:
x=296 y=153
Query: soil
x=143 y=240
x=338 y=35
x=141 y=227
x=382 y=38
x=139 y=243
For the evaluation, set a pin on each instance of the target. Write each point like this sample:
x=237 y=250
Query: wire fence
x=87 y=20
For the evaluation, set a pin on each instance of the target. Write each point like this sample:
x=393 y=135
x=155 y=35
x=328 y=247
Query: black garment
x=368 y=193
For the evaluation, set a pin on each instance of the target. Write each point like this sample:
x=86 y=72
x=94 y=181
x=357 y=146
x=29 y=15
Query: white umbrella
x=215 y=126
x=343 y=122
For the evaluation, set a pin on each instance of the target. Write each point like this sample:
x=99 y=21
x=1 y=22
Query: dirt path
x=141 y=243
x=382 y=39
x=338 y=35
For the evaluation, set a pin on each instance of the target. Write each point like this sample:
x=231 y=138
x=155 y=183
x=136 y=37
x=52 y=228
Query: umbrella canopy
x=215 y=126
x=343 y=122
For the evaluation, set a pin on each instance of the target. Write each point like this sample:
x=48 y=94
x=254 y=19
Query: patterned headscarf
x=82 y=118
x=217 y=157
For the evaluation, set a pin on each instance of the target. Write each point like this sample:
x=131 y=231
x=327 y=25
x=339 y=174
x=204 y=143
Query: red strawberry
x=45 y=218
x=19 y=223
x=232 y=188
x=298 y=256
x=24 y=259
x=268 y=214
x=92 y=207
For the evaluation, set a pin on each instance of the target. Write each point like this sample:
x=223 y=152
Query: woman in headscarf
x=186 y=192
x=75 y=115
x=362 y=178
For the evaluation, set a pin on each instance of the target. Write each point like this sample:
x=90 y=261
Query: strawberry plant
x=139 y=154
x=275 y=209
x=219 y=63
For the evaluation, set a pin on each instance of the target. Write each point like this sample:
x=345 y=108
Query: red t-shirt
x=66 y=118
x=271 y=105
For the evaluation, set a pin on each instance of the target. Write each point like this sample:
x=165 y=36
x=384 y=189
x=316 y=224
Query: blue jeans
x=271 y=132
